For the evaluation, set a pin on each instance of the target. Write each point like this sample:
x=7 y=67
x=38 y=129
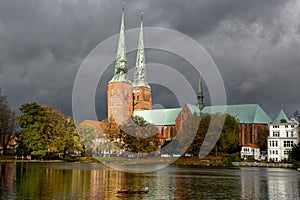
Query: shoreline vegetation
x=208 y=161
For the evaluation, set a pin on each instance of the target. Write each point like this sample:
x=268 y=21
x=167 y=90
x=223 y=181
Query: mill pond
x=96 y=181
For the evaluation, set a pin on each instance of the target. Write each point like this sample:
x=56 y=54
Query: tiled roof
x=99 y=126
x=251 y=145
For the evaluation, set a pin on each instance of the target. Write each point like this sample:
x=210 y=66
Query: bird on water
x=145 y=191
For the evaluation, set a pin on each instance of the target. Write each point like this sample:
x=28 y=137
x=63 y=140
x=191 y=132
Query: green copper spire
x=281 y=117
x=121 y=69
x=200 y=96
x=140 y=65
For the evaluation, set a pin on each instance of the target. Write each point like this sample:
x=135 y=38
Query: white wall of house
x=248 y=151
x=282 y=137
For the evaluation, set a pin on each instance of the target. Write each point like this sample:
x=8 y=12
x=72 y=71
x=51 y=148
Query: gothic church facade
x=127 y=99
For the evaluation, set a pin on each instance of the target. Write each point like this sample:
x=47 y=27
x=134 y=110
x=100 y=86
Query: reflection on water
x=94 y=181
x=269 y=183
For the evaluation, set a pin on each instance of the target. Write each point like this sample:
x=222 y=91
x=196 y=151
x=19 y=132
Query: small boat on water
x=145 y=191
x=298 y=169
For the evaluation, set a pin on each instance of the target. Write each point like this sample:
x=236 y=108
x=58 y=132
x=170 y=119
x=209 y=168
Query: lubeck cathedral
x=127 y=99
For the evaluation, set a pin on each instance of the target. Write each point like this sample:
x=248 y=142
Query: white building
x=250 y=150
x=282 y=136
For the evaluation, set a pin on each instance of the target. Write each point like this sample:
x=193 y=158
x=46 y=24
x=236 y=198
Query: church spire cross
x=121 y=68
x=140 y=65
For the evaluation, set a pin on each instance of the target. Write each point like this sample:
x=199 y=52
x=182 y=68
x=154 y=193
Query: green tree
x=87 y=136
x=45 y=130
x=262 y=139
x=33 y=122
x=229 y=141
x=8 y=125
x=203 y=125
x=69 y=137
x=295 y=153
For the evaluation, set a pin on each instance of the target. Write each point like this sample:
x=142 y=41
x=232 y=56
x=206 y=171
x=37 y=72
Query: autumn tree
x=140 y=136
x=114 y=133
x=69 y=137
x=8 y=125
x=137 y=135
x=45 y=130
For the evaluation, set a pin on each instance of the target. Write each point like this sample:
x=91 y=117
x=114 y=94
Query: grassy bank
x=218 y=161
x=208 y=161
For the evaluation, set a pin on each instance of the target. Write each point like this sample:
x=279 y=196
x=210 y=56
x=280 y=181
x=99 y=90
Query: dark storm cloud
x=254 y=43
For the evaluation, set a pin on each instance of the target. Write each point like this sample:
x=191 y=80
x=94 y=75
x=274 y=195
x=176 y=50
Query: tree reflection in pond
x=95 y=181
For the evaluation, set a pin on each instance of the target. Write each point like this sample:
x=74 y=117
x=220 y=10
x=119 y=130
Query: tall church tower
x=142 y=97
x=119 y=93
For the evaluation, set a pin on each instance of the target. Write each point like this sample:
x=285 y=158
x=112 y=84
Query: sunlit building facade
x=283 y=134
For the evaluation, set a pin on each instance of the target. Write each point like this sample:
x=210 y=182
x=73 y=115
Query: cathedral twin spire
x=121 y=68
x=140 y=65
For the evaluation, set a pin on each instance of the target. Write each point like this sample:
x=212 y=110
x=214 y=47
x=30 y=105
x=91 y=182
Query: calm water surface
x=95 y=181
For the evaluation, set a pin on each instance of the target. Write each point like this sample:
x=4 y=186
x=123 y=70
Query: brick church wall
x=119 y=101
x=142 y=98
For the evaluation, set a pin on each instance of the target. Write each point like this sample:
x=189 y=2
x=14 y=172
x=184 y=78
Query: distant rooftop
x=281 y=116
x=244 y=113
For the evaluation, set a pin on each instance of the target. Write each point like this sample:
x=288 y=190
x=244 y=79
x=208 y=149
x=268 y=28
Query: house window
x=275 y=134
x=288 y=143
x=286 y=126
x=287 y=134
x=286 y=152
x=292 y=126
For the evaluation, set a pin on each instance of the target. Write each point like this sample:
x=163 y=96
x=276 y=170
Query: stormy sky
x=255 y=44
